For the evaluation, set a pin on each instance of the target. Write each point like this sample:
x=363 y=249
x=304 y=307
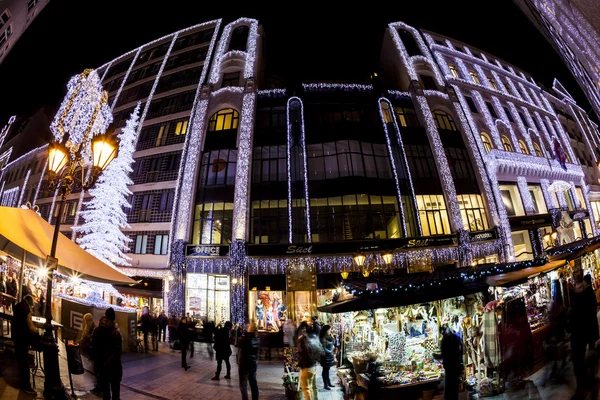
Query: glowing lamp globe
x=104 y=150
x=359 y=259
x=57 y=158
x=344 y=274
x=387 y=258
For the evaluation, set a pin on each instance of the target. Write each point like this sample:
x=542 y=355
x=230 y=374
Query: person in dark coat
x=155 y=330
x=24 y=335
x=163 y=322
x=11 y=288
x=145 y=322
x=327 y=358
x=584 y=329
x=452 y=355
x=183 y=335
x=107 y=342
x=223 y=349
x=248 y=346
x=173 y=323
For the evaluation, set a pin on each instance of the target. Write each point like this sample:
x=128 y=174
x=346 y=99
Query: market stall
x=391 y=333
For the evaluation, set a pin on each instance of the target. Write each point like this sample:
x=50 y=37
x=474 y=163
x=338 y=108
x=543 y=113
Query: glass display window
x=268 y=309
x=522 y=245
x=208 y=296
x=303 y=305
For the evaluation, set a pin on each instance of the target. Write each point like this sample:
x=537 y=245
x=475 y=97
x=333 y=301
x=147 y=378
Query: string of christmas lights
x=24 y=188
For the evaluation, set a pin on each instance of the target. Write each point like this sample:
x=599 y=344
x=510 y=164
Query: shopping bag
x=74 y=362
x=176 y=345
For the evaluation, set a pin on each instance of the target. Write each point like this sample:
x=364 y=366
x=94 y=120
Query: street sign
x=52 y=263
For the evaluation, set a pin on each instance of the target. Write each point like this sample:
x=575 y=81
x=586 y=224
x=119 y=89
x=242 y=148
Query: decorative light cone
x=388 y=258
x=359 y=259
x=344 y=274
x=57 y=158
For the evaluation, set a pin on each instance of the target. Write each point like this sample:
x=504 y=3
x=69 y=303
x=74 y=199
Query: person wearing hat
x=107 y=342
x=24 y=334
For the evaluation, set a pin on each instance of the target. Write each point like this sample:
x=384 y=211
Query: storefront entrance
x=208 y=296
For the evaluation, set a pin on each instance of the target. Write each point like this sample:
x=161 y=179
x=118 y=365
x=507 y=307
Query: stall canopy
x=420 y=288
x=574 y=250
x=516 y=277
x=23 y=229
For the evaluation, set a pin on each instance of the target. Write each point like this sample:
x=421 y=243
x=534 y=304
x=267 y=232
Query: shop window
x=353 y=216
x=223 y=120
x=141 y=244
x=181 y=128
x=522 y=245
x=208 y=296
x=269 y=164
x=588 y=227
x=270 y=221
x=523 y=147
x=410 y=44
x=267 y=308
x=213 y=223
x=538 y=150
x=161 y=244
x=582 y=206
x=506 y=144
x=491 y=259
x=487 y=142
x=443 y=120
x=407 y=117
x=454 y=71
x=218 y=168
x=346 y=158
x=474 y=77
x=512 y=200
x=569 y=200
x=433 y=214
x=577 y=231
x=537 y=198
x=473 y=212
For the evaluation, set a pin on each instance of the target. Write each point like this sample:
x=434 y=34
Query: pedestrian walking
x=172 y=325
x=452 y=354
x=223 y=349
x=208 y=329
x=248 y=346
x=145 y=322
x=163 y=322
x=107 y=342
x=191 y=325
x=309 y=352
x=327 y=358
x=155 y=331
x=183 y=335
x=84 y=340
x=316 y=326
x=584 y=331
x=24 y=335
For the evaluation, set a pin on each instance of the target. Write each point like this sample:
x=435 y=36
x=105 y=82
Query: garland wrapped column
x=239 y=282
x=176 y=295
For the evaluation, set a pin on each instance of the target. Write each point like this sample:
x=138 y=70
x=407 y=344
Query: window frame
x=506 y=143
x=487 y=141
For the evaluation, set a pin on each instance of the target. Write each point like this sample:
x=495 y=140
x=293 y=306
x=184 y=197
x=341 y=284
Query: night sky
x=304 y=41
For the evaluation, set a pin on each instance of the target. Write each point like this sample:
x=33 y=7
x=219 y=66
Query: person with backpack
x=248 y=346
x=309 y=352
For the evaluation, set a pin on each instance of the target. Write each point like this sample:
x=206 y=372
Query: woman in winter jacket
x=327 y=357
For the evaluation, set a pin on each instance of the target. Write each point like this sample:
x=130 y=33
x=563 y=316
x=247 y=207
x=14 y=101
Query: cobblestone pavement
x=158 y=375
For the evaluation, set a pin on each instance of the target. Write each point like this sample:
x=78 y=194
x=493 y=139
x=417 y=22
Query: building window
x=31 y=5
x=410 y=44
x=523 y=147
x=231 y=79
x=218 y=168
x=161 y=244
x=491 y=109
x=166 y=200
x=141 y=244
x=537 y=198
x=428 y=82
x=512 y=200
x=5 y=35
x=471 y=104
x=522 y=245
x=506 y=143
x=269 y=164
x=508 y=115
x=4 y=17
x=421 y=161
x=146 y=208
x=208 y=296
x=407 y=117
x=353 y=217
x=595 y=210
x=538 y=150
x=580 y=197
x=239 y=38
x=454 y=71
x=223 y=120
x=181 y=128
x=213 y=223
x=492 y=83
x=474 y=77
x=473 y=212
x=270 y=221
x=443 y=120
x=348 y=158
x=433 y=214
x=523 y=119
x=487 y=142
x=161 y=138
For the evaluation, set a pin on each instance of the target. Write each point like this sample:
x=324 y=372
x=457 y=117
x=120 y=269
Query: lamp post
x=78 y=144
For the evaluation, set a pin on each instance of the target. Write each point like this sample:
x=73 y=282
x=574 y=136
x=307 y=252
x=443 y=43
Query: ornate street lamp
x=79 y=144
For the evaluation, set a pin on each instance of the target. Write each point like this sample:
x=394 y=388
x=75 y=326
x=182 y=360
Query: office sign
x=206 y=250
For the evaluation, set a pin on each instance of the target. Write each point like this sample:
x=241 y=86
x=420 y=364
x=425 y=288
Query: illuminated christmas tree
x=105 y=213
